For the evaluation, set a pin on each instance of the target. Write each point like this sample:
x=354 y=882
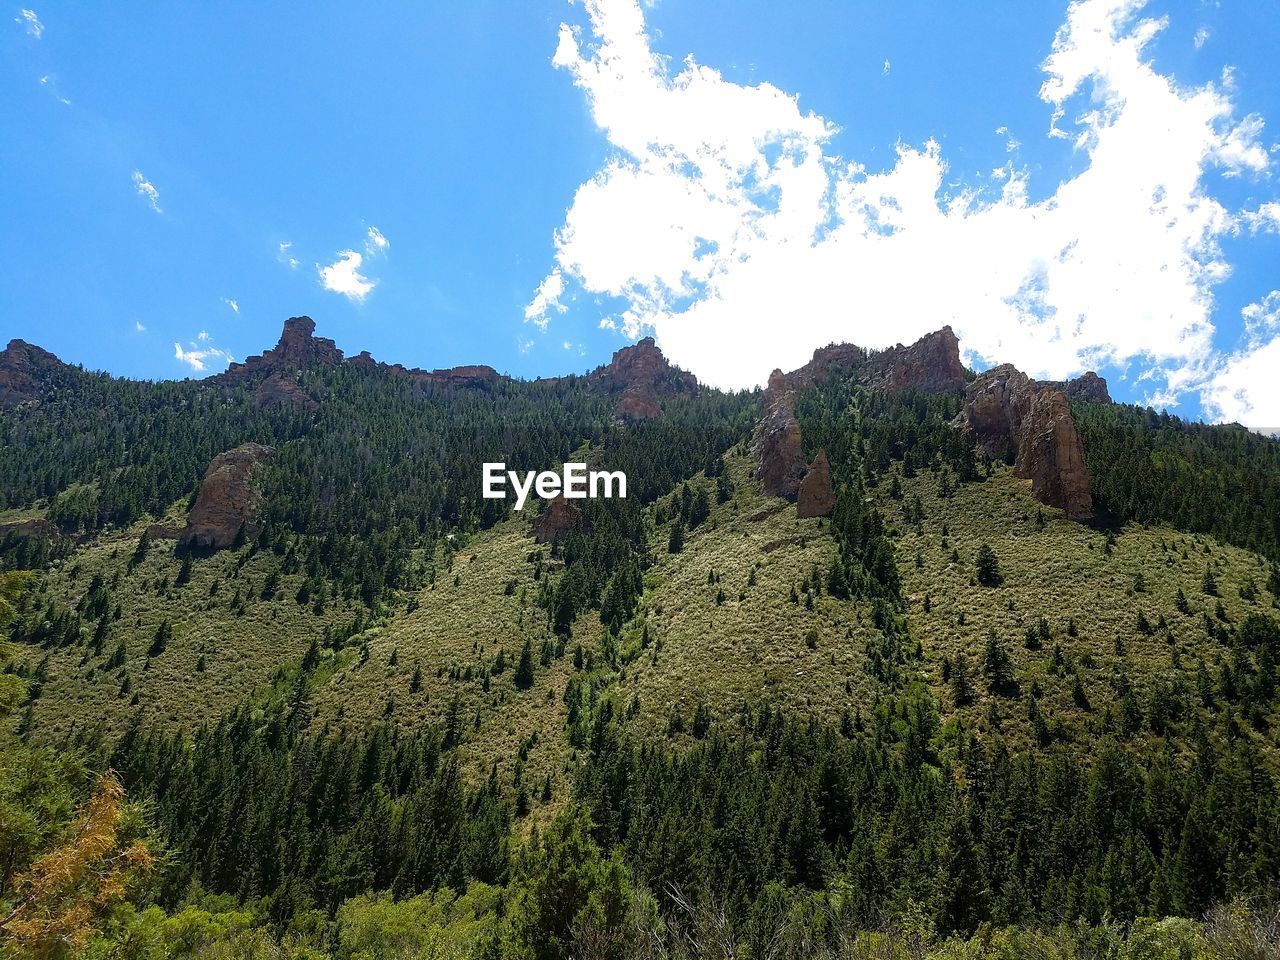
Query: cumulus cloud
x=1201 y=37
x=200 y=353
x=138 y=327
x=286 y=255
x=147 y=190
x=29 y=20
x=233 y=304
x=722 y=216
x=343 y=276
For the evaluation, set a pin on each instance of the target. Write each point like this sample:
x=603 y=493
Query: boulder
x=816 y=496
x=228 y=499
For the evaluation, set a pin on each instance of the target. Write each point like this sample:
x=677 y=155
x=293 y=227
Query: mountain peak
x=643 y=376
x=24 y=367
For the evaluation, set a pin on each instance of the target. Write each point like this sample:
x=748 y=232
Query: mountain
x=888 y=642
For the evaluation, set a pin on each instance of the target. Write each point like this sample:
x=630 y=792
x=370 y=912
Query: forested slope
x=929 y=706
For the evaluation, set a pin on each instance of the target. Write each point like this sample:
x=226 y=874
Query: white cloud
x=343 y=276
x=138 y=327
x=285 y=256
x=546 y=299
x=233 y=304
x=375 y=242
x=147 y=190
x=722 y=217
x=885 y=70
x=1201 y=38
x=1244 y=387
x=198 y=355
x=28 y=19
x=1246 y=390
x=1266 y=219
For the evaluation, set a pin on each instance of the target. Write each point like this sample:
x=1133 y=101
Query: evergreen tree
x=524 y=670
x=988 y=567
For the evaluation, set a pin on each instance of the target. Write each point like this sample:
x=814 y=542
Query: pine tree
x=996 y=666
x=988 y=567
x=676 y=542
x=524 y=670
x=961 y=686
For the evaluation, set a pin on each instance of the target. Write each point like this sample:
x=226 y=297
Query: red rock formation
x=558 y=519
x=474 y=375
x=282 y=388
x=816 y=496
x=776 y=445
x=37 y=527
x=228 y=499
x=25 y=372
x=298 y=347
x=930 y=365
x=1090 y=387
x=641 y=377
x=1051 y=455
x=1029 y=424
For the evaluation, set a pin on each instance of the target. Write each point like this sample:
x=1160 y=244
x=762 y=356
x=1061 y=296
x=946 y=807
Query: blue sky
x=532 y=185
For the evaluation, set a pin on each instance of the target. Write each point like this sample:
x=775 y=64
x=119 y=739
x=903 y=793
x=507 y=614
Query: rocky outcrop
x=1029 y=424
x=641 y=378
x=930 y=365
x=25 y=372
x=475 y=375
x=1090 y=387
x=36 y=527
x=816 y=496
x=297 y=348
x=557 y=520
x=228 y=499
x=1051 y=456
x=776 y=445
x=280 y=387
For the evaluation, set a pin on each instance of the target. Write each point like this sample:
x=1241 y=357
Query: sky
x=1070 y=186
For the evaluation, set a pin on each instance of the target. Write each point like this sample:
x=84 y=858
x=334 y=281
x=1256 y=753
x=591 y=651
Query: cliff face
x=931 y=364
x=25 y=371
x=1088 y=387
x=641 y=377
x=1012 y=417
x=299 y=348
x=816 y=496
x=558 y=519
x=776 y=445
x=228 y=498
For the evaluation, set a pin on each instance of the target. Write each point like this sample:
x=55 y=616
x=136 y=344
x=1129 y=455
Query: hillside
x=898 y=587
